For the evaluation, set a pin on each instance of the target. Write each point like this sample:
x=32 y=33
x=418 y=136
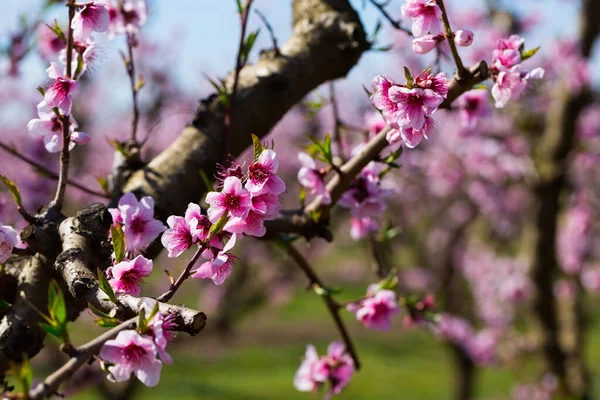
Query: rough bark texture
x=559 y=140
x=327 y=41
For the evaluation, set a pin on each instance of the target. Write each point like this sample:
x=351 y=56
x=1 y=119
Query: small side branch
x=82 y=355
x=388 y=17
x=460 y=68
x=333 y=306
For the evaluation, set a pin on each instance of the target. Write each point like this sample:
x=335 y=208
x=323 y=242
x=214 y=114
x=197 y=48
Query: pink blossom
x=361 y=227
x=590 y=279
x=375 y=311
x=438 y=83
x=310 y=375
x=473 y=105
x=413 y=137
x=132 y=353
x=92 y=17
x=507 y=52
x=483 y=347
x=364 y=198
x=340 y=367
x=128 y=20
x=9 y=239
x=264 y=207
x=574 y=241
x=426 y=43
x=336 y=368
x=219 y=268
x=508 y=85
x=464 y=37
x=161 y=329
x=425 y=16
x=90 y=53
x=311 y=178
x=137 y=218
x=80 y=138
x=374 y=122
x=414 y=105
x=126 y=276
x=261 y=175
x=381 y=98
x=233 y=201
x=178 y=238
x=58 y=94
x=49 y=126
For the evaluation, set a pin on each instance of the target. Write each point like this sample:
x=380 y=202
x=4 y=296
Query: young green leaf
x=56 y=304
x=525 y=54
x=118 y=242
x=58 y=31
x=4 y=305
x=105 y=287
x=257 y=146
x=248 y=44
x=216 y=228
x=50 y=329
x=327 y=149
x=409 y=79
x=240 y=6
x=14 y=190
x=142 y=322
x=207 y=183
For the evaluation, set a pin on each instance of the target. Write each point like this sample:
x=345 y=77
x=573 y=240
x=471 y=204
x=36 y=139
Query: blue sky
x=208 y=31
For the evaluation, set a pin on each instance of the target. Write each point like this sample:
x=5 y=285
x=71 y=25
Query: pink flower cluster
x=408 y=108
x=425 y=16
x=498 y=284
x=90 y=17
x=482 y=346
x=511 y=79
x=366 y=200
x=313 y=178
x=335 y=368
x=9 y=239
x=139 y=353
x=376 y=309
x=138 y=222
x=125 y=277
x=243 y=204
x=126 y=17
x=574 y=238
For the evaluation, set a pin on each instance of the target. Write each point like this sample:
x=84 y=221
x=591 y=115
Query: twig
x=82 y=355
x=271 y=31
x=166 y=296
x=48 y=172
x=460 y=68
x=239 y=64
x=337 y=123
x=386 y=15
x=333 y=306
x=130 y=65
x=65 y=154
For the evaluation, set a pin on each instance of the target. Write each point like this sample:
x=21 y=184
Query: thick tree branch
x=327 y=41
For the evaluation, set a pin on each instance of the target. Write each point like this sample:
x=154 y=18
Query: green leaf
x=14 y=190
x=240 y=6
x=327 y=148
x=378 y=26
x=26 y=374
x=383 y=49
x=216 y=228
x=107 y=322
x=52 y=330
x=142 y=322
x=336 y=290
x=154 y=311
x=248 y=44
x=257 y=145
x=58 y=31
x=56 y=304
x=103 y=182
x=98 y=312
x=313 y=107
x=118 y=242
x=118 y=146
x=302 y=196
x=79 y=67
x=207 y=182
x=525 y=54
x=4 y=305
x=105 y=286
x=41 y=90
x=409 y=79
